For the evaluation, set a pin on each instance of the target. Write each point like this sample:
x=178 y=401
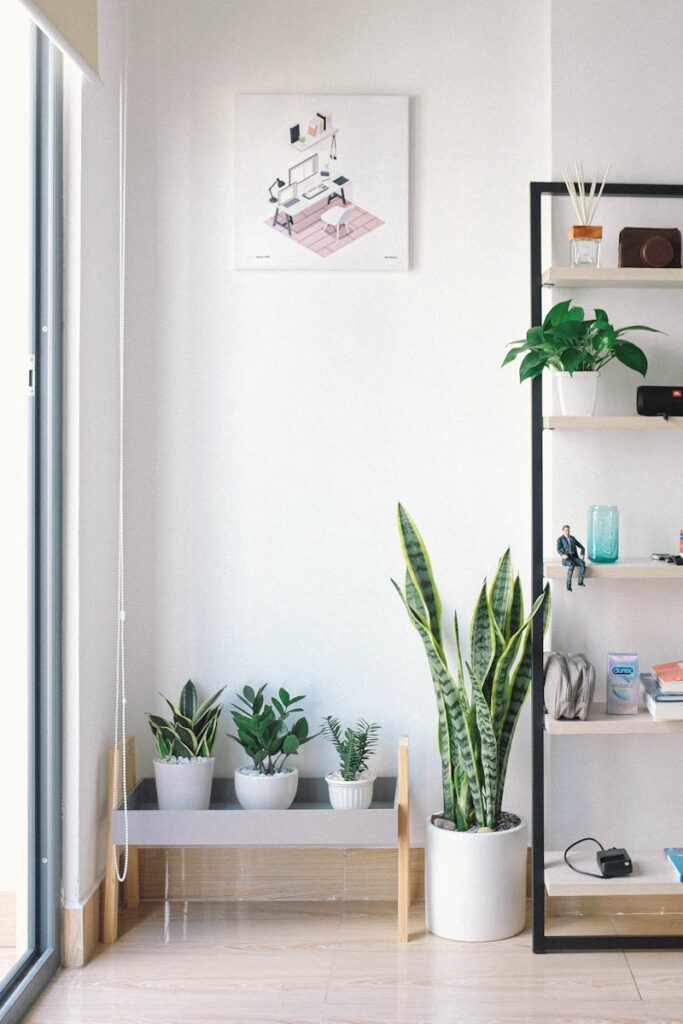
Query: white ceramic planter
x=350 y=796
x=475 y=883
x=577 y=392
x=184 y=785
x=266 y=792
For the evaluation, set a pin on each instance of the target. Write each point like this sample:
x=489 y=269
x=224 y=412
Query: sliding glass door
x=30 y=343
x=16 y=254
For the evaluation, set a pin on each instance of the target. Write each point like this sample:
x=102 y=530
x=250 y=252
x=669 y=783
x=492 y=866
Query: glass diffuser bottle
x=603 y=533
x=584 y=245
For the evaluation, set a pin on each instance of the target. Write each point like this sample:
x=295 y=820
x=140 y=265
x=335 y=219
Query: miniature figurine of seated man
x=568 y=547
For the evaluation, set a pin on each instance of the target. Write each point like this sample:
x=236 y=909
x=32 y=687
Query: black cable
x=579 y=871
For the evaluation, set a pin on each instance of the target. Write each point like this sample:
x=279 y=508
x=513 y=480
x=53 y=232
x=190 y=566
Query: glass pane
x=16 y=97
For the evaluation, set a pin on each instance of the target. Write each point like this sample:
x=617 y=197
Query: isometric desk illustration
x=315 y=205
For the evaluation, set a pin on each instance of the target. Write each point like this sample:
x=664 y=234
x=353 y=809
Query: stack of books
x=663 y=691
x=317 y=126
x=675 y=855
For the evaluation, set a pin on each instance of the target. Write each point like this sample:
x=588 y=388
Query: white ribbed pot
x=577 y=392
x=475 y=883
x=184 y=785
x=257 y=792
x=353 y=795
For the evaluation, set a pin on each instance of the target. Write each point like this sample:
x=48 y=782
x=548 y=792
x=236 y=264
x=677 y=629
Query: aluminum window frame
x=29 y=976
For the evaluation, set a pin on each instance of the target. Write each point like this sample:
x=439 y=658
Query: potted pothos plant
x=351 y=785
x=475 y=852
x=576 y=347
x=183 y=770
x=269 y=739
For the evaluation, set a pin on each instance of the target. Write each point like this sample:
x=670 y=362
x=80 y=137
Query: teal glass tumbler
x=603 y=533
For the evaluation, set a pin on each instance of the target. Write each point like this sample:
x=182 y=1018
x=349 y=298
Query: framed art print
x=321 y=183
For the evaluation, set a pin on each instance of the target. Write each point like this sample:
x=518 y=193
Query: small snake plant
x=355 y=747
x=191 y=732
x=476 y=726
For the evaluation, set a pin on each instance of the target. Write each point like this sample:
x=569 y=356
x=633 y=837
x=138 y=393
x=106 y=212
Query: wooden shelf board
x=310 y=821
x=653 y=875
x=612 y=423
x=612 y=277
x=624 y=569
x=599 y=723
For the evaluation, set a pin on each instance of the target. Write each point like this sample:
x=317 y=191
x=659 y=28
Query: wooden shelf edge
x=599 y=723
x=612 y=277
x=624 y=569
x=612 y=423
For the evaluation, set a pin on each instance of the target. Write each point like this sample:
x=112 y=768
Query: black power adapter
x=613 y=863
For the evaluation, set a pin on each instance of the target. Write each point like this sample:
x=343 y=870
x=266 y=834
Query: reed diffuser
x=584 y=236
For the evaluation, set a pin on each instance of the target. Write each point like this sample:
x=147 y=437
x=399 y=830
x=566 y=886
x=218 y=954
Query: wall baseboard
x=81 y=930
x=275 y=873
x=284 y=873
x=595 y=906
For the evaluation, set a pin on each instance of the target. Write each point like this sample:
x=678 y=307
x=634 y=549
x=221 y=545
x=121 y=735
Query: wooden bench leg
x=403 y=841
x=110 y=917
x=110 y=920
x=131 y=886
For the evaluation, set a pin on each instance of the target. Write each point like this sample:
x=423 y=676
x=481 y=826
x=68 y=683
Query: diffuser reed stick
x=584 y=204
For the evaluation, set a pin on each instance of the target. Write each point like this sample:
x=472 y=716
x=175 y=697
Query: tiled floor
x=311 y=232
x=307 y=963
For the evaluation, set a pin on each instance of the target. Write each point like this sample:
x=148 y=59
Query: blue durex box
x=623 y=687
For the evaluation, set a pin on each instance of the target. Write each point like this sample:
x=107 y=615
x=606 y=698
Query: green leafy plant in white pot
x=351 y=786
x=475 y=853
x=183 y=770
x=268 y=738
x=576 y=348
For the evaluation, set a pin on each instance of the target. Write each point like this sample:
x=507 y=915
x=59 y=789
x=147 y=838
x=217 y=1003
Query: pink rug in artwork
x=311 y=232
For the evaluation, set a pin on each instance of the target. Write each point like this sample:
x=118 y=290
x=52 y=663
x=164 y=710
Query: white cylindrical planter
x=257 y=792
x=184 y=785
x=355 y=795
x=577 y=392
x=475 y=883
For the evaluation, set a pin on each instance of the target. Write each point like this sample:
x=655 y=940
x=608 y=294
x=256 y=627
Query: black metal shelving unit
x=543 y=943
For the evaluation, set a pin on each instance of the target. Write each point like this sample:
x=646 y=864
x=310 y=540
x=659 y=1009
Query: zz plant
x=476 y=726
x=568 y=341
x=263 y=731
x=355 y=747
x=191 y=731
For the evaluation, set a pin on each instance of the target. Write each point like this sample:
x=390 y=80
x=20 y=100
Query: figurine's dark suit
x=568 y=547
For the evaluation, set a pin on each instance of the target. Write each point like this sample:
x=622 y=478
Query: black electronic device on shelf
x=659 y=400
x=614 y=863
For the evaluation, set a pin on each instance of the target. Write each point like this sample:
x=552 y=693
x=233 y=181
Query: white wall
x=604 y=110
x=91 y=457
x=616 y=85
x=276 y=419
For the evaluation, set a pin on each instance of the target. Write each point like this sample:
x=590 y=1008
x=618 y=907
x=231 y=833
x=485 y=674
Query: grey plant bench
x=309 y=822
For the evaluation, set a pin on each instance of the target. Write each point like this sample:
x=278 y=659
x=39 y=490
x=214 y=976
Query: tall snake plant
x=476 y=725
